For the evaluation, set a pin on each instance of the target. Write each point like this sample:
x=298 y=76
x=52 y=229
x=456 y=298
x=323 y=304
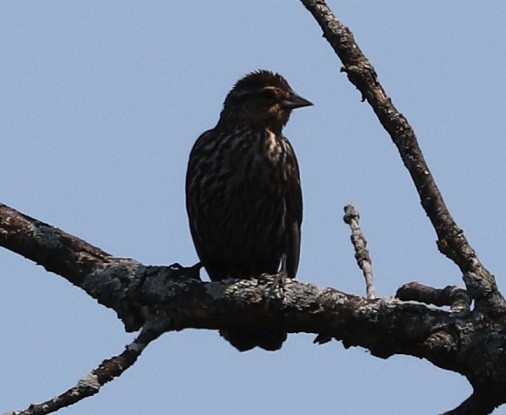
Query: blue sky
x=101 y=103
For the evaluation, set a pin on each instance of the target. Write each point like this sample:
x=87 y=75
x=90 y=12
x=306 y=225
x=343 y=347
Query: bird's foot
x=278 y=283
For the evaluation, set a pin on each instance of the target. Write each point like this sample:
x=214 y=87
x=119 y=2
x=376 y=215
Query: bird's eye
x=269 y=94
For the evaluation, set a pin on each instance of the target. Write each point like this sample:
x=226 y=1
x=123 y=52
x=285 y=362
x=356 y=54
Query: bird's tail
x=246 y=339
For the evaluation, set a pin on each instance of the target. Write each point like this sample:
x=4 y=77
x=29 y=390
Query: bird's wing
x=193 y=191
x=293 y=200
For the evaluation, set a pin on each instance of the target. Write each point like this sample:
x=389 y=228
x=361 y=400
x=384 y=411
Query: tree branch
x=452 y=296
x=451 y=240
x=172 y=298
x=142 y=294
x=481 y=402
x=352 y=218
x=56 y=250
x=109 y=369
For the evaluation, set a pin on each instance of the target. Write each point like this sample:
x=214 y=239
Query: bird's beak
x=295 y=101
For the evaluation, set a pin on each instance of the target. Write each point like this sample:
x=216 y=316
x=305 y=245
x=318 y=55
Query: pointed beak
x=295 y=101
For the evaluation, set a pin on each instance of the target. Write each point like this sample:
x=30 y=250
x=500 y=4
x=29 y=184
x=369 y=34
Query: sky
x=101 y=103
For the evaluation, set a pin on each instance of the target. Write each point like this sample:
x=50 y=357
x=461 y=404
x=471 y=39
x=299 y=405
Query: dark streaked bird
x=243 y=193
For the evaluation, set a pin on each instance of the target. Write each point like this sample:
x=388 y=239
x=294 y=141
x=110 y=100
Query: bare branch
x=109 y=369
x=51 y=247
x=140 y=294
x=352 y=218
x=452 y=296
x=479 y=281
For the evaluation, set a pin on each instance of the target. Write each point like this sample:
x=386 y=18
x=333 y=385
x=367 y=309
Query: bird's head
x=262 y=97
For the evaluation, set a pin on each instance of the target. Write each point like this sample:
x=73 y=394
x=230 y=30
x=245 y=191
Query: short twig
x=352 y=217
x=457 y=298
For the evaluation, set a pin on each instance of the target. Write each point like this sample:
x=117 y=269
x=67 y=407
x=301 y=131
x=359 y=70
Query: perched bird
x=243 y=193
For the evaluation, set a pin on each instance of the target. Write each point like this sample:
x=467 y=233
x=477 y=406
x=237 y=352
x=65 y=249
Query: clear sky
x=101 y=103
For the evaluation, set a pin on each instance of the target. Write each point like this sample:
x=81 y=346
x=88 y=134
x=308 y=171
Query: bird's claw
x=278 y=283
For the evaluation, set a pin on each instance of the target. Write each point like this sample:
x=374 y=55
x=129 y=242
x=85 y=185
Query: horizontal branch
x=454 y=297
x=139 y=293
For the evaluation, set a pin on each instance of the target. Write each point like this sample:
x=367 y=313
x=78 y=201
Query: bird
x=243 y=193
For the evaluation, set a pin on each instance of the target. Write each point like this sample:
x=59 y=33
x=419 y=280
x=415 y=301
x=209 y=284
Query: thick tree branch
x=451 y=240
x=56 y=250
x=466 y=342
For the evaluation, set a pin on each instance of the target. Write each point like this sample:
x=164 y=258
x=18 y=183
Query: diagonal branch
x=56 y=250
x=109 y=369
x=451 y=240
